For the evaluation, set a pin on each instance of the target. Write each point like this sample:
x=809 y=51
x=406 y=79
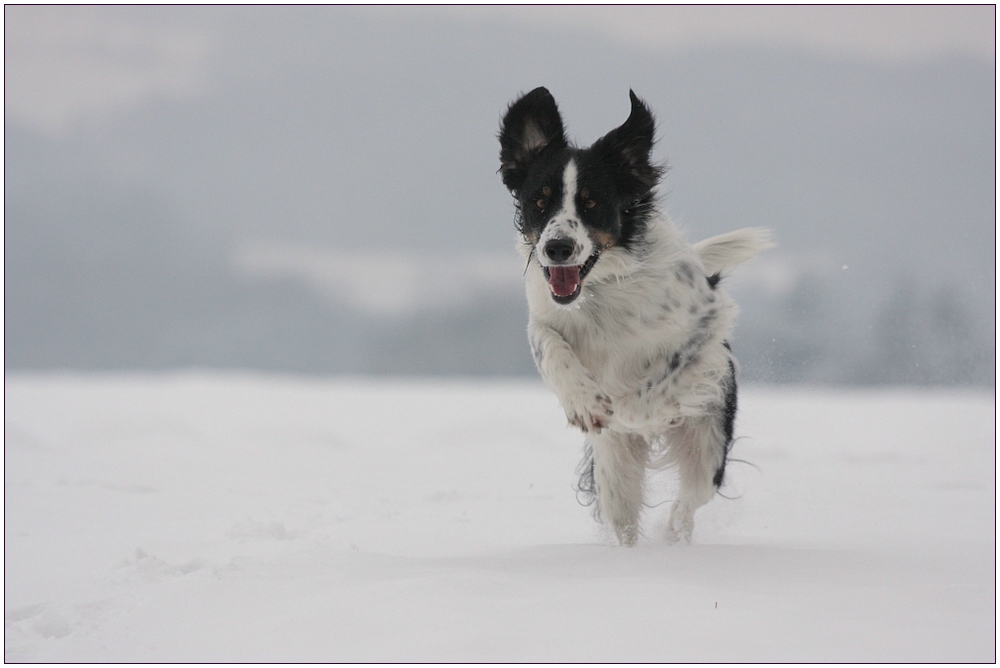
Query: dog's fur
x=627 y=321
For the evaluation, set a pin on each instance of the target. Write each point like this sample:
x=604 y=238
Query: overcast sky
x=68 y=63
x=253 y=166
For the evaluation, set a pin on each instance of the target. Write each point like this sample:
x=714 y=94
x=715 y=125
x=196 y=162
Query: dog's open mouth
x=566 y=281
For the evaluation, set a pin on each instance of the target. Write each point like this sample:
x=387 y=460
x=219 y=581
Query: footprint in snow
x=254 y=530
x=149 y=567
x=34 y=620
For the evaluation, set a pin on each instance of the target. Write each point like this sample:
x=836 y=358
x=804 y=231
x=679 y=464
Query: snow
x=236 y=517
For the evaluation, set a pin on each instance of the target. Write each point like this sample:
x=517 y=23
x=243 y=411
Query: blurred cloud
x=776 y=274
x=385 y=283
x=64 y=64
x=889 y=33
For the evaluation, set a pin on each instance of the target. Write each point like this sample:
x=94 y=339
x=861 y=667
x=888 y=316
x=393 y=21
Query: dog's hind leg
x=619 y=480
x=698 y=447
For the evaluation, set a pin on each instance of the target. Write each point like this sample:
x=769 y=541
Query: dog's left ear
x=627 y=149
x=531 y=126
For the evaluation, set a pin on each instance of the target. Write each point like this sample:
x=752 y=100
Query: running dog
x=628 y=323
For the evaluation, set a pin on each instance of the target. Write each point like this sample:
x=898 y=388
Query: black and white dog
x=628 y=323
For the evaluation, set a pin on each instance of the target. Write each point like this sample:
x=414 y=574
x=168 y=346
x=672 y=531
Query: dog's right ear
x=531 y=125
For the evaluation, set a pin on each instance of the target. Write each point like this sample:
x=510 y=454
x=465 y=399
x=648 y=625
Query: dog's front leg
x=619 y=469
x=585 y=404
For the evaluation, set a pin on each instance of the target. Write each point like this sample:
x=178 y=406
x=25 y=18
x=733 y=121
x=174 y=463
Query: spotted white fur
x=608 y=360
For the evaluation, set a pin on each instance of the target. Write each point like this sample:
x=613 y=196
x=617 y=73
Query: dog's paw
x=637 y=412
x=587 y=408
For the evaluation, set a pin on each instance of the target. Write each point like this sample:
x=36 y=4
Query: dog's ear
x=627 y=150
x=531 y=125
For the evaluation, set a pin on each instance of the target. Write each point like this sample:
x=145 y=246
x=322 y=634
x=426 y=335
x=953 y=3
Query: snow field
x=239 y=517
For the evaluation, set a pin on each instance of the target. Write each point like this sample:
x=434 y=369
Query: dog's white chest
x=619 y=335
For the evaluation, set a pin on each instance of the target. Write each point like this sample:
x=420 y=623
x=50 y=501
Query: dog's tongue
x=564 y=280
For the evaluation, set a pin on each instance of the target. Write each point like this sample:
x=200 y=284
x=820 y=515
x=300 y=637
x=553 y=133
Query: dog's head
x=576 y=203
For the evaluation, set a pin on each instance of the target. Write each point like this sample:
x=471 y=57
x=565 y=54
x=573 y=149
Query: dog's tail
x=733 y=248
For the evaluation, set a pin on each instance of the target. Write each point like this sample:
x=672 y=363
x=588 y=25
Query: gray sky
x=64 y=64
x=330 y=166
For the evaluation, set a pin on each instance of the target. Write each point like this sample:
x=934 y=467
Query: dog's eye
x=589 y=204
x=540 y=204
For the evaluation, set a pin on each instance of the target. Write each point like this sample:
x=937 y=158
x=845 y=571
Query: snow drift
x=206 y=517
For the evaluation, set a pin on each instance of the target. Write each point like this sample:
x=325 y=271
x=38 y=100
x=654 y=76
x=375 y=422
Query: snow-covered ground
x=214 y=517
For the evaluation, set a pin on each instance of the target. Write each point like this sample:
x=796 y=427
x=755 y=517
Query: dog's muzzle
x=565 y=281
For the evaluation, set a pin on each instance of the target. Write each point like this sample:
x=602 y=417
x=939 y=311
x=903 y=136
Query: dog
x=628 y=323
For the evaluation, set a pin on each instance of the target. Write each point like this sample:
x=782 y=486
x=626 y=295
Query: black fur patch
x=688 y=353
x=720 y=473
x=713 y=280
x=615 y=172
x=728 y=417
x=531 y=127
x=729 y=410
x=675 y=363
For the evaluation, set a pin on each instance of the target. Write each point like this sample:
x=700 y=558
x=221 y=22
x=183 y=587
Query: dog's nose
x=559 y=250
